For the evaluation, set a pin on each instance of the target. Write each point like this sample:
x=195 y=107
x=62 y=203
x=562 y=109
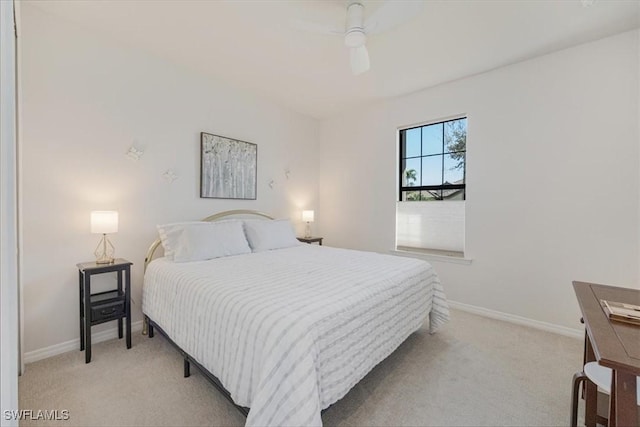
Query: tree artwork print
x=228 y=168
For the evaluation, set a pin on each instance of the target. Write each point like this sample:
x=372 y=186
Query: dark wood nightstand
x=104 y=306
x=310 y=240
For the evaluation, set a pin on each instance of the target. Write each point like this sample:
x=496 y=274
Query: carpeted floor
x=474 y=372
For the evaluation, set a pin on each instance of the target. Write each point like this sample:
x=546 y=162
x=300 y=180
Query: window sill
x=431 y=256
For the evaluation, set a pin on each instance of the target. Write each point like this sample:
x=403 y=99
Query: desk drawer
x=112 y=310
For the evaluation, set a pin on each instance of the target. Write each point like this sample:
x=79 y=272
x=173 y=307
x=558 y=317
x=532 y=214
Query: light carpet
x=474 y=372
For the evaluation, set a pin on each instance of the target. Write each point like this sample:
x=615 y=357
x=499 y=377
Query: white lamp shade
x=307 y=216
x=104 y=222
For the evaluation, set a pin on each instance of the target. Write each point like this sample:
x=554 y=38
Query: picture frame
x=228 y=168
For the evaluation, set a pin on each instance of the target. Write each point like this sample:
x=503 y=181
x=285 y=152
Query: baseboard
x=518 y=320
x=54 y=350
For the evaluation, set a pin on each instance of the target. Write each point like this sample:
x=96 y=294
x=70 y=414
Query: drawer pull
x=105 y=311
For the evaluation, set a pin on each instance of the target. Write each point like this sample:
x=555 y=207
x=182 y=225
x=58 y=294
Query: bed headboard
x=237 y=213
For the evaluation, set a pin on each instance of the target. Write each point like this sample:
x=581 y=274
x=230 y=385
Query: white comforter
x=289 y=332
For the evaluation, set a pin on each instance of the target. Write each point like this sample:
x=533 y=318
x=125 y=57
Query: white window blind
x=430 y=225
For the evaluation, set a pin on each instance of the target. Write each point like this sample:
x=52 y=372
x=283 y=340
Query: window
x=432 y=187
x=432 y=161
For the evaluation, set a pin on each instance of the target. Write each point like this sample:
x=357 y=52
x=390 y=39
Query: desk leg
x=127 y=291
x=81 y=293
x=591 y=390
x=87 y=317
x=622 y=404
x=119 y=273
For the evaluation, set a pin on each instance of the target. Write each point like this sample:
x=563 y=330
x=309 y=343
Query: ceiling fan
x=391 y=14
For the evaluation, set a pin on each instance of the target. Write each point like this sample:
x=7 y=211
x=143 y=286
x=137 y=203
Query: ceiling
x=256 y=45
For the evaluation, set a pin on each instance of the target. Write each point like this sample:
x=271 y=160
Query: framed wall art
x=228 y=168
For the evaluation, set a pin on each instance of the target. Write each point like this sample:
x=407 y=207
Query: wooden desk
x=613 y=344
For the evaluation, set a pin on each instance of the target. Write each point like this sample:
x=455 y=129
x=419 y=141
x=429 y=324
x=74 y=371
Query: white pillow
x=170 y=235
x=197 y=241
x=267 y=235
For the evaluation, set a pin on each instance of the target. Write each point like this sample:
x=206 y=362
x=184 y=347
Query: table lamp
x=307 y=216
x=104 y=222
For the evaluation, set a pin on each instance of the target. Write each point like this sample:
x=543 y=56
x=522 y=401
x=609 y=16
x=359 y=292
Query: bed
x=285 y=333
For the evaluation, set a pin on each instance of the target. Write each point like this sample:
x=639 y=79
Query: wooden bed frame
x=150 y=326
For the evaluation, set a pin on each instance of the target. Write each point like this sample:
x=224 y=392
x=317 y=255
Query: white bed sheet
x=289 y=332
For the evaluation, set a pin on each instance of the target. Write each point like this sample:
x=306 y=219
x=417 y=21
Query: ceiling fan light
x=355 y=38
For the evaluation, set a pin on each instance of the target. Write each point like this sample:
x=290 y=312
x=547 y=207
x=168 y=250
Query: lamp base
x=104 y=251
x=307 y=231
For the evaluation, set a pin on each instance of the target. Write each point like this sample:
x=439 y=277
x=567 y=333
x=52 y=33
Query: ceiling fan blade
x=359 y=60
x=312 y=27
x=391 y=14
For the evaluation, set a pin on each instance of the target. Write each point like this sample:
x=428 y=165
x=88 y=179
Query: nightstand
x=310 y=240
x=104 y=306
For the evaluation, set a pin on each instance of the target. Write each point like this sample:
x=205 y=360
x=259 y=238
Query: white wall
x=553 y=183
x=86 y=100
